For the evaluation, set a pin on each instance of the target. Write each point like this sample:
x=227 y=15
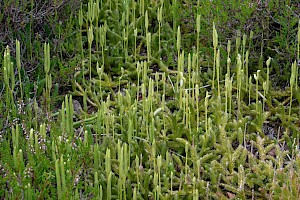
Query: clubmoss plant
x=237 y=43
x=58 y=180
x=146 y=22
x=178 y=41
x=244 y=51
x=218 y=72
x=240 y=79
x=198 y=27
x=215 y=45
x=80 y=21
x=148 y=41
x=249 y=89
x=150 y=126
x=292 y=82
x=9 y=78
x=246 y=70
x=228 y=94
x=67 y=113
x=298 y=55
x=108 y=190
x=96 y=13
x=18 y=61
x=206 y=112
x=256 y=77
x=90 y=40
x=159 y=19
x=48 y=76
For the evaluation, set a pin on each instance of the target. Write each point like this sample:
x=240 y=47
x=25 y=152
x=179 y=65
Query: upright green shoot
x=18 y=61
x=9 y=79
x=243 y=50
x=90 y=40
x=80 y=21
x=218 y=72
x=256 y=77
x=268 y=62
x=48 y=76
x=198 y=26
x=58 y=181
x=298 y=56
x=240 y=75
x=178 y=43
x=228 y=57
x=148 y=40
x=292 y=82
x=159 y=19
x=215 y=45
x=237 y=43
x=206 y=111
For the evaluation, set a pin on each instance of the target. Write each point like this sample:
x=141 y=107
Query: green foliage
x=136 y=101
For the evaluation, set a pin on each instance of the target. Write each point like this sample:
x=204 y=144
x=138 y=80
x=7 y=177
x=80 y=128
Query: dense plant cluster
x=149 y=99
